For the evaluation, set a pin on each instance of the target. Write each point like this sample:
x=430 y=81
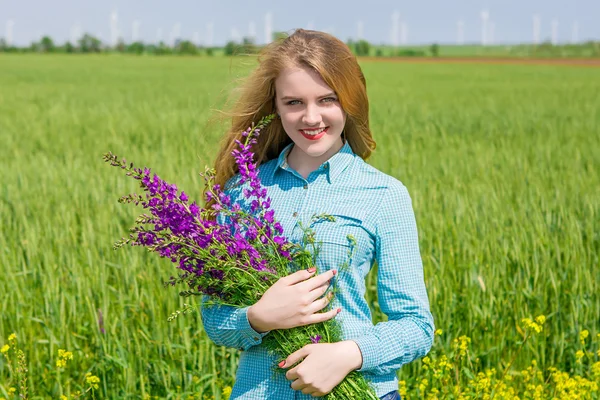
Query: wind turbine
x=9 y=32
x=460 y=32
x=360 y=29
x=75 y=33
x=268 y=27
x=554 y=31
x=175 y=33
x=114 y=28
x=537 y=23
x=575 y=32
x=395 y=26
x=485 y=15
x=403 y=33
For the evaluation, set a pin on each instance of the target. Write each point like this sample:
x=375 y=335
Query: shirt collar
x=334 y=166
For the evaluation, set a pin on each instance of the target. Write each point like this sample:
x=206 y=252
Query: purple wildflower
x=315 y=339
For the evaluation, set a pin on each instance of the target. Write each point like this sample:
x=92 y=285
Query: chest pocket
x=339 y=239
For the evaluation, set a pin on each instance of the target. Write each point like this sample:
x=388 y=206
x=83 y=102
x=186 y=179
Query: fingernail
x=312 y=269
x=334 y=272
x=281 y=364
x=339 y=310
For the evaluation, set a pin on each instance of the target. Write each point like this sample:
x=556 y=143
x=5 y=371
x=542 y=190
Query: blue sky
x=217 y=21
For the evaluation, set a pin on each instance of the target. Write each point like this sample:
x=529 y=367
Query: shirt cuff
x=250 y=337
x=368 y=347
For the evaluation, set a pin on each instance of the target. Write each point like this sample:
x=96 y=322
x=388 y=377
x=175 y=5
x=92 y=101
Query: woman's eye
x=326 y=100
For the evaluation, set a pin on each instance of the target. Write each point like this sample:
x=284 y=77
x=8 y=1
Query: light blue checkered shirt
x=377 y=210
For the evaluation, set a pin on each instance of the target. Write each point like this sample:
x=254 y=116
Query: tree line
x=91 y=44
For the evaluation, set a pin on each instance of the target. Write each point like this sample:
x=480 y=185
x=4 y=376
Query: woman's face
x=310 y=112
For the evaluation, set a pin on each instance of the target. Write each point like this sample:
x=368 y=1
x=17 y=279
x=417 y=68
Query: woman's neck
x=305 y=164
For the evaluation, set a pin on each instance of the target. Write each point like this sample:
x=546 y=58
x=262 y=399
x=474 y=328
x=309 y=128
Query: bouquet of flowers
x=233 y=262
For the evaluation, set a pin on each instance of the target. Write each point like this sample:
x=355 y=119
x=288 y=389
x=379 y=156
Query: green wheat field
x=502 y=163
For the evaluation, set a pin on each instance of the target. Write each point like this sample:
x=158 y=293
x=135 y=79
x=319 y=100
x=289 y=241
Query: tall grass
x=502 y=163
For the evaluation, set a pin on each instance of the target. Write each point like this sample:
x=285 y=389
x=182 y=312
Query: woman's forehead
x=299 y=79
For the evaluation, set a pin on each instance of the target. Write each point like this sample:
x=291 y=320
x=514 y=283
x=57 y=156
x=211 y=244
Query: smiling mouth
x=314 y=134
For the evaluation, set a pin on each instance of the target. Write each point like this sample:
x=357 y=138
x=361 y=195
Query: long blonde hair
x=338 y=67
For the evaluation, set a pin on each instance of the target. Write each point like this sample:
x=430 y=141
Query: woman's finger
x=298 y=276
x=319 y=280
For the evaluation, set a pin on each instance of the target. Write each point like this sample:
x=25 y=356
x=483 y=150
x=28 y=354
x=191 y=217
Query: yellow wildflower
x=579 y=355
x=423 y=385
x=402 y=388
x=462 y=344
x=226 y=392
x=11 y=391
x=63 y=397
x=439 y=332
x=4 y=349
x=534 y=326
x=12 y=338
x=92 y=380
x=65 y=354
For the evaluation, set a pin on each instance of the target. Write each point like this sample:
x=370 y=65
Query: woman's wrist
x=254 y=323
x=354 y=350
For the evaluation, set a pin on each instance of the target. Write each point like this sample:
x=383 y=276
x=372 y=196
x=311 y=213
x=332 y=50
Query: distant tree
x=231 y=48
x=378 y=53
x=47 y=45
x=209 y=51
x=186 y=47
x=409 y=53
x=3 y=45
x=162 y=49
x=136 y=48
x=121 y=47
x=435 y=50
x=248 y=46
x=69 y=48
x=89 y=44
x=362 y=48
x=351 y=45
x=34 y=47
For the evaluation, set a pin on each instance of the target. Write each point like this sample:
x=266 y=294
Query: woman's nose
x=312 y=116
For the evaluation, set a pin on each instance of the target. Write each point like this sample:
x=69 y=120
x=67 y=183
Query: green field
x=502 y=163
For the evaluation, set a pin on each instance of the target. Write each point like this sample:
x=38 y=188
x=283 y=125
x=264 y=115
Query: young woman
x=312 y=160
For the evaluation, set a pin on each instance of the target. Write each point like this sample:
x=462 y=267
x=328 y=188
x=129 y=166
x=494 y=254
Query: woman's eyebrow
x=297 y=97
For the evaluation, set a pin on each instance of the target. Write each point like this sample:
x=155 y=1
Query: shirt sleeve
x=229 y=326
x=408 y=333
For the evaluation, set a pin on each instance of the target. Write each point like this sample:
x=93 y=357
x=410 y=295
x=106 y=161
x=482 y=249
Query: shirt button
x=326 y=166
x=305 y=186
x=295 y=214
x=255 y=338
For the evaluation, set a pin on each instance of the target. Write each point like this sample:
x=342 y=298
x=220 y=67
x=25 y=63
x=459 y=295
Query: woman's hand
x=324 y=366
x=292 y=301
